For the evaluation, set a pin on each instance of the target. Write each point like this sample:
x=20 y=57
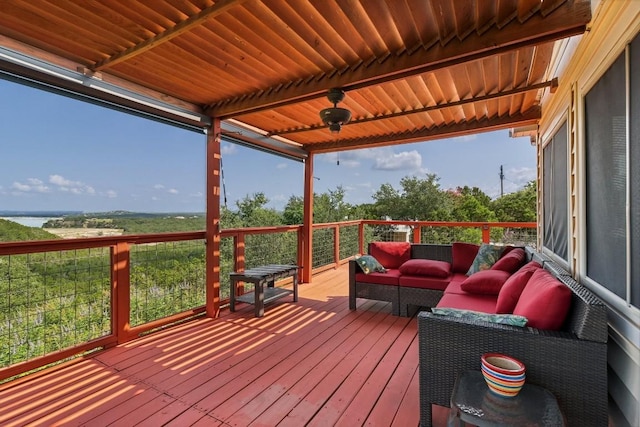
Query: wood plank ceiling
x=412 y=70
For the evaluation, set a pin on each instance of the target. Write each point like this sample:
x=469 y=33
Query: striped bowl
x=503 y=374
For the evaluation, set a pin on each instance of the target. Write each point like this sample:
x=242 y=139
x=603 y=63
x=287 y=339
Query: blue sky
x=63 y=154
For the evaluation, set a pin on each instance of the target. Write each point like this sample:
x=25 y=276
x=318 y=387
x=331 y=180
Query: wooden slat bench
x=259 y=276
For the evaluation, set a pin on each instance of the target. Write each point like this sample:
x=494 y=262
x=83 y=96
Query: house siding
x=579 y=63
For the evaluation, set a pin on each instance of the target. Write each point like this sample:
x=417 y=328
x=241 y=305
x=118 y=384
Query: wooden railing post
x=238 y=259
x=361 y=237
x=486 y=233
x=121 y=291
x=416 y=234
x=336 y=244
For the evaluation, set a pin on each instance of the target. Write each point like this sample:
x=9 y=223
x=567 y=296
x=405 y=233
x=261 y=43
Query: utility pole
x=501 y=182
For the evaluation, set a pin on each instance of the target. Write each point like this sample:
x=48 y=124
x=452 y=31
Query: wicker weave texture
x=573 y=369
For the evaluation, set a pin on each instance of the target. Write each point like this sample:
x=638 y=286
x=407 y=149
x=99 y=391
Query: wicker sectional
x=571 y=363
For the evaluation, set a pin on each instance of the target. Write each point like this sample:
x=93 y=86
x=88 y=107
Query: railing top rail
x=450 y=223
x=228 y=232
x=32 y=246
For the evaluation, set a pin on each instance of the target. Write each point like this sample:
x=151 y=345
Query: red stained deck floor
x=314 y=363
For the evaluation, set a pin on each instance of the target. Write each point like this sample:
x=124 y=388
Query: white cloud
x=158 y=186
x=406 y=160
x=33 y=185
x=111 y=194
x=196 y=194
x=172 y=191
x=228 y=148
x=67 y=185
x=520 y=176
x=62 y=181
x=281 y=166
x=466 y=138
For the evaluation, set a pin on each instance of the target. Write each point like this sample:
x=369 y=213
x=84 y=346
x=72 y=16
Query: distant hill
x=13 y=232
x=39 y=214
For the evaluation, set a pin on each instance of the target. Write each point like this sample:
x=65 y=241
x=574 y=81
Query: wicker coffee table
x=472 y=402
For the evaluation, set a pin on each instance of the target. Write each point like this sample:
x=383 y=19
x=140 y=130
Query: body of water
x=29 y=221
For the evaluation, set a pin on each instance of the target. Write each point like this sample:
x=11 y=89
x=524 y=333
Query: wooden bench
x=259 y=276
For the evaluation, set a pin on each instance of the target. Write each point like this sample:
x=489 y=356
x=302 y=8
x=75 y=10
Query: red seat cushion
x=390 y=254
x=476 y=302
x=545 y=301
x=426 y=267
x=486 y=282
x=512 y=288
x=424 y=282
x=463 y=255
x=511 y=261
x=454 y=284
x=388 y=278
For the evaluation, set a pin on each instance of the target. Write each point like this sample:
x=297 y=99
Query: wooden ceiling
x=412 y=70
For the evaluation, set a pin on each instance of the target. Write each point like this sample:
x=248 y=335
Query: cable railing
x=61 y=298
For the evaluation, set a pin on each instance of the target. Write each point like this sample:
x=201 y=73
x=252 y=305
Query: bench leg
x=232 y=296
x=258 y=288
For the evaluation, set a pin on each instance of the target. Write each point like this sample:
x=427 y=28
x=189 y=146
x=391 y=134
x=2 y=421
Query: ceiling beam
x=218 y=8
x=569 y=19
x=532 y=116
x=550 y=83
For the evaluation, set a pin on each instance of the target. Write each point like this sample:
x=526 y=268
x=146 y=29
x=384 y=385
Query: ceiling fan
x=335 y=116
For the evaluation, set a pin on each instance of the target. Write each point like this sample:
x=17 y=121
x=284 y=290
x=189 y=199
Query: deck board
x=314 y=362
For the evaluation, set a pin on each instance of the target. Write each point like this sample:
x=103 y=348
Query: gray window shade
x=606 y=179
x=555 y=192
x=634 y=167
x=547 y=186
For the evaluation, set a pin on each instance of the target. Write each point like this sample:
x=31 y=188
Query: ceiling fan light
x=335 y=115
x=335 y=128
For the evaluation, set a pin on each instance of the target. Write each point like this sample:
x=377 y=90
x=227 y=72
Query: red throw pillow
x=510 y=262
x=390 y=254
x=426 y=267
x=545 y=301
x=486 y=282
x=513 y=287
x=462 y=255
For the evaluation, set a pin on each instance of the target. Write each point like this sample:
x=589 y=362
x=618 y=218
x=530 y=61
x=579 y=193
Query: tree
x=252 y=212
x=517 y=207
x=420 y=199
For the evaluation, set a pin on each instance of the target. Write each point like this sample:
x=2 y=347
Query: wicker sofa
x=570 y=362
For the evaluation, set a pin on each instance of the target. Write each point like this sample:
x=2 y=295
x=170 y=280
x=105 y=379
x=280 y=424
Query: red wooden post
x=486 y=233
x=336 y=244
x=121 y=291
x=239 y=260
x=307 y=221
x=212 y=231
x=416 y=234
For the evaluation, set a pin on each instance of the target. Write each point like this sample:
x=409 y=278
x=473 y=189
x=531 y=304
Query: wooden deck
x=314 y=362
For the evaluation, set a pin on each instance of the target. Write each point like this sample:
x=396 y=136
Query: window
x=555 y=194
x=613 y=177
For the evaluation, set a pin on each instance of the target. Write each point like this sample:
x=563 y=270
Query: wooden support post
x=212 y=231
x=336 y=244
x=121 y=291
x=307 y=221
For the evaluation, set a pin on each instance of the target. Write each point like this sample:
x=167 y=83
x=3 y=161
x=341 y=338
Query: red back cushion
x=486 y=282
x=390 y=254
x=463 y=255
x=513 y=287
x=511 y=261
x=545 y=301
x=426 y=267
